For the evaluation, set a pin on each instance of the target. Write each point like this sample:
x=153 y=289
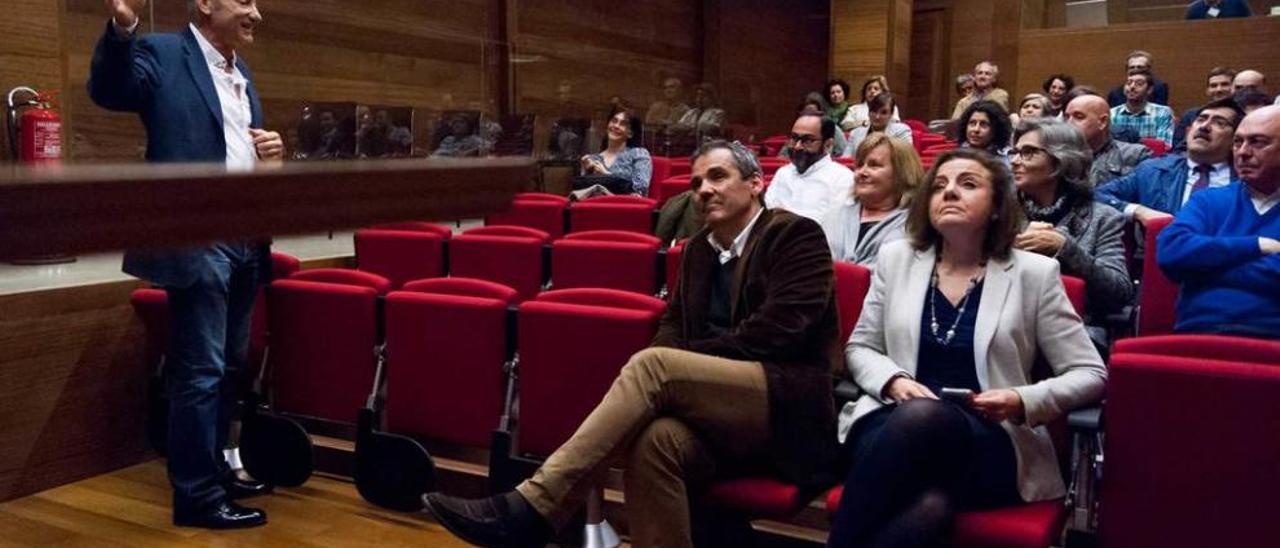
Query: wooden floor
x=130 y=507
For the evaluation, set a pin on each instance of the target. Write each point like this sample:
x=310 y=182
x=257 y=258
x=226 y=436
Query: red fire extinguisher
x=35 y=136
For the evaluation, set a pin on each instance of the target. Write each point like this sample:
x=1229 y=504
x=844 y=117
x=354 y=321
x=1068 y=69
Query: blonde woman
x=875 y=211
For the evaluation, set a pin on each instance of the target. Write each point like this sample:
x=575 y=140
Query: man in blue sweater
x=1224 y=246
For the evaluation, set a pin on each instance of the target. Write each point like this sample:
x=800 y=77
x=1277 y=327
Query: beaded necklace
x=964 y=302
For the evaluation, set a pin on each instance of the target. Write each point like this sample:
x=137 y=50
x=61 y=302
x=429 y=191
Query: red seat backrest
x=1158 y=147
x=589 y=262
x=400 y=255
x=344 y=276
x=465 y=287
x=596 y=214
x=509 y=231
x=916 y=125
x=500 y=254
x=852 y=283
x=1076 y=293
x=661 y=171
x=671 y=188
x=675 y=254
x=417 y=226
x=1204 y=346
x=1158 y=295
x=545 y=212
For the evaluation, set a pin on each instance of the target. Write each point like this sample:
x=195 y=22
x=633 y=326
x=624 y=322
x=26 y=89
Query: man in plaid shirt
x=1148 y=119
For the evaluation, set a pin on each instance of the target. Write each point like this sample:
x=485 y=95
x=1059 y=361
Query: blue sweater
x=1211 y=248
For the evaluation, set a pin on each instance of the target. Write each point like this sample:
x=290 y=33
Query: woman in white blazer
x=954 y=306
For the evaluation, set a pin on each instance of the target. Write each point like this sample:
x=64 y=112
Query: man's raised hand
x=125 y=12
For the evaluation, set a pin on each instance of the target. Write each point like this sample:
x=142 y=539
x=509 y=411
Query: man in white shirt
x=812 y=183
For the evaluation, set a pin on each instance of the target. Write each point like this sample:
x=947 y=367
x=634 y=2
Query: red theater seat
x=1158 y=147
x=1211 y=347
x=675 y=254
x=447 y=341
x=401 y=255
x=631 y=213
x=606 y=258
x=545 y=212
x=670 y=188
x=510 y=255
x=661 y=171
x=1157 y=295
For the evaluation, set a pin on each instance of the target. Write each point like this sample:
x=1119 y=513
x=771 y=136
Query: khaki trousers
x=671 y=414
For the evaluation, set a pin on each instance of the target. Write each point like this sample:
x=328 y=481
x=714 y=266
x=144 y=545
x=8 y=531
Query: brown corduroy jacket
x=783 y=314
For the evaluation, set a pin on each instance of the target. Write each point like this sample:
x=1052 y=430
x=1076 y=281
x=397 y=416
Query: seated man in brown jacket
x=738 y=379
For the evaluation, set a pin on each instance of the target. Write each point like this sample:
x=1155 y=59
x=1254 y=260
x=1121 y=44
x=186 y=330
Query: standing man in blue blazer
x=197 y=101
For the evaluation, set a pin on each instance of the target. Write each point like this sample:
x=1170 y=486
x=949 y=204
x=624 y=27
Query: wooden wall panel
x=1097 y=54
x=30 y=53
x=860 y=38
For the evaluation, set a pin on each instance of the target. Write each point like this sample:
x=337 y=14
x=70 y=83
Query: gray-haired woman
x=1051 y=171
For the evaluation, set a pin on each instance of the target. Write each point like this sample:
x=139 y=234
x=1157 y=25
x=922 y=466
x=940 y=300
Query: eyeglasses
x=1027 y=152
x=804 y=140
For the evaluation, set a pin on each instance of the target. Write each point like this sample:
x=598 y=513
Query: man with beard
x=1148 y=119
x=1160 y=187
x=813 y=183
x=1224 y=245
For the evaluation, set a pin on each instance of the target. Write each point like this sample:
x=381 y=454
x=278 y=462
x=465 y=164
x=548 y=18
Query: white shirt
x=810 y=194
x=739 y=241
x=1219 y=175
x=233 y=95
x=1261 y=203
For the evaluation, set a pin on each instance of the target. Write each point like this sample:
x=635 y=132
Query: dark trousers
x=915 y=465
x=209 y=348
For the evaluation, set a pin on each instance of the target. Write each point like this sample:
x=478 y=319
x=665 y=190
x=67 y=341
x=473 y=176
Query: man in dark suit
x=195 y=98
x=739 y=376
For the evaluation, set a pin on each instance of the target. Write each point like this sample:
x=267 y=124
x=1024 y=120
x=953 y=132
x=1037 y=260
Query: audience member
x=1160 y=187
x=875 y=212
x=985 y=126
x=1251 y=80
x=1149 y=120
x=1033 y=105
x=812 y=183
x=1056 y=88
x=859 y=114
x=1111 y=158
x=1250 y=100
x=1224 y=246
x=1219 y=86
x=837 y=100
x=964 y=84
x=984 y=89
x=670 y=108
x=882 y=107
x=463 y=140
x=1218 y=9
x=1139 y=60
x=1051 y=171
x=956 y=307
x=705 y=120
x=839 y=144
x=733 y=379
x=624 y=156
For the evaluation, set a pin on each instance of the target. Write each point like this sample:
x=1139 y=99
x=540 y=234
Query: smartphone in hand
x=962 y=396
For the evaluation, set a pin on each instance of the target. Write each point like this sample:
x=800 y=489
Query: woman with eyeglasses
x=985 y=126
x=1051 y=170
x=951 y=418
x=875 y=211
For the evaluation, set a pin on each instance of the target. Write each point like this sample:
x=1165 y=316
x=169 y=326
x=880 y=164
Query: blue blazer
x=165 y=79
x=1157 y=183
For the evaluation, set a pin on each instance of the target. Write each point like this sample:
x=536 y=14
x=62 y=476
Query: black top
x=865 y=227
x=953 y=365
x=721 y=285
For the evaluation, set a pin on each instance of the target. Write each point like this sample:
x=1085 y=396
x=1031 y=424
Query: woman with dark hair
x=838 y=99
x=1056 y=88
x=859 y=114
x=623 y=155
x=985 y=126
x=1051 y=170
x=1033 y=105
x=955 y=310
x=881 y=108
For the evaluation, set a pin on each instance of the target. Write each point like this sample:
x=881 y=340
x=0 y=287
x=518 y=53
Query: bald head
x=1257 y=149
x=1091 y=115
x=1251 y=80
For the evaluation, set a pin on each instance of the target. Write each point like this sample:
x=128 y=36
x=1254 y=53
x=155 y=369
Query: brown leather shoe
x=499 y=521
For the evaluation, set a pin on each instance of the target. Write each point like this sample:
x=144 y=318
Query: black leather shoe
x=242 y=489
x=498 y=521
x=221 y=515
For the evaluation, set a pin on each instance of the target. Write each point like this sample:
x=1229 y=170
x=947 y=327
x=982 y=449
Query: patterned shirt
x=1154 y=122
x=632 y=164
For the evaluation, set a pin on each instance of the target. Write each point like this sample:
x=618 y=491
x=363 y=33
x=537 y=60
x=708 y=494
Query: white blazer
x=1024 y=309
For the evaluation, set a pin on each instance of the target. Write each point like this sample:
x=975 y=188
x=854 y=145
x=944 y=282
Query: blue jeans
x=209 y=348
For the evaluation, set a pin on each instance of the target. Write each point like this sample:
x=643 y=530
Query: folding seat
x=514 y=256
x=1191 y=452
x=1158 y=147
x=606 y=258
x=632 y=213
x=545 y=212
x=852 y=283
x=402 y=252
x=771 y=165
x=916 y=125
x=1032 y=525
x=447 y=341
x=661 y=172
x=1157 y=295
x=773 y=145
x=324 y=327
x=670 y=187
x=673 y=256
x=1245 y=349
x=680 y=166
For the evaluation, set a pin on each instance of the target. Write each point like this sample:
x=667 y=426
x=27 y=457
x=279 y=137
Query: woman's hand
x=901 y=389
x=590 y=166
x=1040 y=238
x=1000 y=404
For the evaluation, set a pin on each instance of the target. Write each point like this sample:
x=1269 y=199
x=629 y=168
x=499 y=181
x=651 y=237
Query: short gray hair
x=1071 y=155
x=743 y=159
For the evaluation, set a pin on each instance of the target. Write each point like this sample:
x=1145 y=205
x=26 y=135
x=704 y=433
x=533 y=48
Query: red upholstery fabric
x=630 y=266
x=852 y=283
x=756 y=497
x=680 y=166
x=152 y=308
x=516 y=262
x=1193 y=458
x=1034 y=525
x=916 y=125
x=773 y=145
x=400 y=255
x=1204 y=346
x=1158 y=295
x=465 y=287
x=661 y=171
x=847 y=161
x=674 y=255
x=512 y=231
x=444 y=363
x=344 y=276
x=322 y=340
x=1158 y=147
x=599 y=296
x=592 y=215
x=283 y=266
x=669 y=188
x=541 y=197
x=544 y=212
x=770 y=164
x=620 y=199
x=569 y=356
x=613 y=236
x=939 y=148
x=417 y=226
x=1075 y=293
